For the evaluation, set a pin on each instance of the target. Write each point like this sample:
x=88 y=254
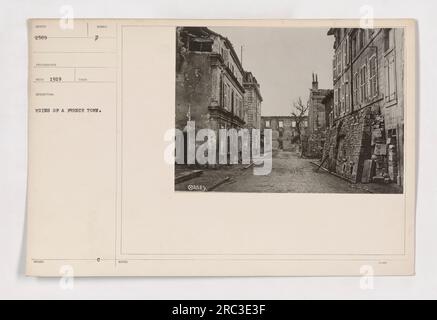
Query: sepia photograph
x=218 y=155
x=289 y=110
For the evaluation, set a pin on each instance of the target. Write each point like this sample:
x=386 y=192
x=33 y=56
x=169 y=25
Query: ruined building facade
x=313 y=142
x=364 y=141
x=285 y=130
x=209 y=81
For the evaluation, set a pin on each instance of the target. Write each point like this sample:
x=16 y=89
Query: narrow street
x=290 y=173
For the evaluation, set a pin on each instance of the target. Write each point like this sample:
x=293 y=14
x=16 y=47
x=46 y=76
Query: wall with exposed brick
x=348 y=145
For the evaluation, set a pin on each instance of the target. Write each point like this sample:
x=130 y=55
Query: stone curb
x=188 y=176
x=225 y=179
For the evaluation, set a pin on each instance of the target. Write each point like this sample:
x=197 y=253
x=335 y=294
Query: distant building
x=285 y=130
x=316 y=109
x=313 y=142
x=252 y=101
x=328 y=103
x=209 y=80
x=365 y=139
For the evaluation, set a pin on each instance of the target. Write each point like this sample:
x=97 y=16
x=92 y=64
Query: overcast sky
x=282 y=60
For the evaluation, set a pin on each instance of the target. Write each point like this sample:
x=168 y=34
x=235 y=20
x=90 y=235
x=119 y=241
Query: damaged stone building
x=313 y=142
x=364 y=141
x=286 y=130
x=210 y=81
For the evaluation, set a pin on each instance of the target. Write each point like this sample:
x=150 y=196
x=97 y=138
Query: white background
x=13 y=161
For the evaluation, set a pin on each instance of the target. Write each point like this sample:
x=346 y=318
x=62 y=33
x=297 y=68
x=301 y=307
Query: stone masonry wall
x=357 y=138
x=348 y=145
x=314 y=145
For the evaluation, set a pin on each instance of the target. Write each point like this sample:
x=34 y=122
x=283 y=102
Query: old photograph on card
x=289 y=110
x=137 y=128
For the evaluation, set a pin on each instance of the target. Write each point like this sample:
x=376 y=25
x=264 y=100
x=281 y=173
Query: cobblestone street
x=290 y=173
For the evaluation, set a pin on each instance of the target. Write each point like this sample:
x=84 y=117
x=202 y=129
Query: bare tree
x=298 y=112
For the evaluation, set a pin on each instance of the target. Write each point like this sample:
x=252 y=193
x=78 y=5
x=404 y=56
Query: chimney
x=315 y=82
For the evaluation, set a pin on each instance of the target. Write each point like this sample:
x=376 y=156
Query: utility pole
x=241 y=55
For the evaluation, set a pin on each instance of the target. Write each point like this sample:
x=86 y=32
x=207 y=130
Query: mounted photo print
x=221 y=147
